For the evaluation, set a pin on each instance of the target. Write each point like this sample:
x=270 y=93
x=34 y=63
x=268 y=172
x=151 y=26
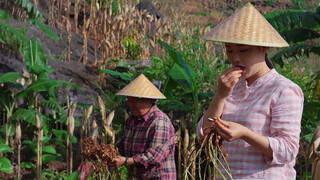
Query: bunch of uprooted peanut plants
x=97 y=159
x=213 y=164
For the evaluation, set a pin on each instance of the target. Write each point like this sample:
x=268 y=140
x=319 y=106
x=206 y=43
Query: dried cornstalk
x=109 y=119
x=107 y=126
x=18 y=143
x=69 y=39
x=84 y=32
x=179 y=138
x=60 y=10
x=185 y=142
x=51 y=12
x=83 y=129
x=102 y=108
x=314 y=154
x=76 y=13
x=70 y=123
x=39 y=146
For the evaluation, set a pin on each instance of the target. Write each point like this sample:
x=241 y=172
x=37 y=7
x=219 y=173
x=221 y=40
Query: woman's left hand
x=118 y=161
x=229 y=130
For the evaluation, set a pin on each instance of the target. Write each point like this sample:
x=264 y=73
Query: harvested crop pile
x=99 y=153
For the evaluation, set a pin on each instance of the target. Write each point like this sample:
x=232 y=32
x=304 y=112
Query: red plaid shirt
x=150 y=142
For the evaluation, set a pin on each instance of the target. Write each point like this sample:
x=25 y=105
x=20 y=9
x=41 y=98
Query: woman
x=256 y=110
x=147 y=146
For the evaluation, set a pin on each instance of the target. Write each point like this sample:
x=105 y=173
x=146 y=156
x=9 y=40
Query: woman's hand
x=118 y=161
x=229 y=130
x=228 y=80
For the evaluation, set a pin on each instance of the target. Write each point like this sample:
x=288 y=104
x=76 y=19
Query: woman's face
x=139 y=106
x=251 y=59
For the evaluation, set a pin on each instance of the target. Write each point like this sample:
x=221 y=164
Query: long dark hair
x=269 y=62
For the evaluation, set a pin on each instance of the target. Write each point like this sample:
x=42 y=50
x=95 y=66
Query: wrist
x=127 y=162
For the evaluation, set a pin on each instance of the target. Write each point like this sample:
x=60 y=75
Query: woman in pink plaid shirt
x=256 y=110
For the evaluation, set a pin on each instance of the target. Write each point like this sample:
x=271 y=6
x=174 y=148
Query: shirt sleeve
x=161 y=143
x=285 y=126
x=199 y=130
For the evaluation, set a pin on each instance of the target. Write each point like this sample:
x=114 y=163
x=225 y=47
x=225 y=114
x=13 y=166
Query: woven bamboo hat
x=141 y=87
x=246 y=26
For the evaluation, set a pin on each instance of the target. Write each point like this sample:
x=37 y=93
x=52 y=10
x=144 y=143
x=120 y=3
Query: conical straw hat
x=141 y=87
x=246 y=26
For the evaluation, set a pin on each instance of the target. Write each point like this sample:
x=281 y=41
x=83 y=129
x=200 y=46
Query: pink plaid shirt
x=272 y=106
x=150 y=142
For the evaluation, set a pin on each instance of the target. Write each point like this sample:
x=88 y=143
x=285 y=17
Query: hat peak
x=141 y=87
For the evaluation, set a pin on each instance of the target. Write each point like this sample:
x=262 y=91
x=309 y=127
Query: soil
x=213 y=12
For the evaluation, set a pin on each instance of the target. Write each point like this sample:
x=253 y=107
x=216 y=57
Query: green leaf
x=290 y=19
x=204 y=96
x=295 y=51
x=5 y=148
x=178 y=74
x=41 y=85
x=122 y=64
x=62 y=135
x=5 y=165
x=27 y=165
x=46 y=158
x=49 y=149
x=308 y=138
x=6 y=29
x=299 y=35
x=74 y=139
x=47 y=30
x=34 y=55
x=73 y=175
x=125 y=76
x=27 y=115
x=175 y=105
x=4 y=15
x=295 y=25
x=9 y=77
x=45 y=139
x=169 y=87
x=177 y=58
x=32 y=145
x=52 y=105
x=40 y=69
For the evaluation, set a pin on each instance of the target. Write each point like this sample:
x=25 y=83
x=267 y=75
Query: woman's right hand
x=227 y=81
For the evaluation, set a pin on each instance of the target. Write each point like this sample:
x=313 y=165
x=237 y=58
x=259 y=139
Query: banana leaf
x=295 y=51
x=295 y=25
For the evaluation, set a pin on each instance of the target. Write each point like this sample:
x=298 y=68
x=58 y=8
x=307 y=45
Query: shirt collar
x=146 y=116
x=263 y=79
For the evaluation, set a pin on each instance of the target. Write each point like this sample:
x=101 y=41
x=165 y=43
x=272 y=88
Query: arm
x=285 y=125
x=162 y=142
x=227 y=81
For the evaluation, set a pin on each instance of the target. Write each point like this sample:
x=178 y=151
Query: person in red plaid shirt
x=147 y=146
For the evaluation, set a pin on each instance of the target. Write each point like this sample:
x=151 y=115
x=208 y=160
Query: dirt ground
x=206 y=12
